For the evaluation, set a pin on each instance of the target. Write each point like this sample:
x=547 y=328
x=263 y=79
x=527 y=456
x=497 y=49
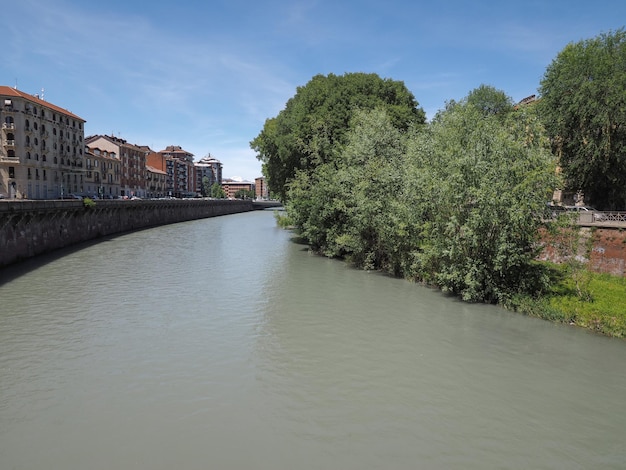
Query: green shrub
x=89 y=203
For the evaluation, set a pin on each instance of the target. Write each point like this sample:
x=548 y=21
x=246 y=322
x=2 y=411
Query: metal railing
x=603 y=218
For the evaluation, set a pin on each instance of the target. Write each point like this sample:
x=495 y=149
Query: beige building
x=102 y=175
x=157 y=183
x=41 y=148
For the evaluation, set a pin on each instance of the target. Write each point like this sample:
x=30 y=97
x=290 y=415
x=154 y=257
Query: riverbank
x=30 y=228
x=601 y=307
x=591 y=298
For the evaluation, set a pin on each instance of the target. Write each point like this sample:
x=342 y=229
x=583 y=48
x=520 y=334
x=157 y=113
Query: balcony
x=9 y=143
x=8 y=125
x=9 y=158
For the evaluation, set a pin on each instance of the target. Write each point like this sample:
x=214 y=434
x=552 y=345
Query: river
x=222 y=343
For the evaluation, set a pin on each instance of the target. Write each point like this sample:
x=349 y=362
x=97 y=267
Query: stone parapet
x=30 y=228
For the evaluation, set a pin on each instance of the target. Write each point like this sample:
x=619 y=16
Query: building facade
x=132 y=159
x=179 y=169
x=261 y=191
x=231 y=187
x=102 y=175
x=208 y=173
x=41 y=148
x=156 y=186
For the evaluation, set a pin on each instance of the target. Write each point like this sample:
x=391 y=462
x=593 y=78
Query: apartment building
x=261 y=191
x=231 y=187
x=179 y=169
x=209 y=171
x=156 y=185
x=41 y=147
x=102 y=174
x=132 y=160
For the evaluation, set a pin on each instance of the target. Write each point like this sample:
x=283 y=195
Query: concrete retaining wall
x=30 y=228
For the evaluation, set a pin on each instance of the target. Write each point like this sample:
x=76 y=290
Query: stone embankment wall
x=603 y=249
x=30 y=228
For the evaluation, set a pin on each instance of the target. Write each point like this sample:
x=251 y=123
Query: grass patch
x=602 y=310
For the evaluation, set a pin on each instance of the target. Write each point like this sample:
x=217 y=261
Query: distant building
x=260 y=188
x=132 y=162
x=102 y=174
x=231 y=187
x=209 y=168
x=41 y=147
x=179 y=169
x=156 y=184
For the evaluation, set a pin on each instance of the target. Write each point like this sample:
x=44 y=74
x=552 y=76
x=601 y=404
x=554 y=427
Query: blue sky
x=206 y=74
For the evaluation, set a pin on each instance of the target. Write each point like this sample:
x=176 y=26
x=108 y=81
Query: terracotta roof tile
x=8 y=92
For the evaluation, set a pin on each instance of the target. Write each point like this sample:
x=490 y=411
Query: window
x=43 y=157
x=27 y=125
x=28 y=155
x=35 y=125
x=29 y=175
x=54 y=131
x=44 y=174
x=11 y=172
x=55 y=160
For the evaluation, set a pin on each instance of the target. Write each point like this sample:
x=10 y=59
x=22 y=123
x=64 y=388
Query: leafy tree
x=311 y=130
x=346 y=208
x=583 y=105
x=456 y=203
x=244 y=194
x=206 y=188
x=217 y=191
x=482 y=182
x=489 y=100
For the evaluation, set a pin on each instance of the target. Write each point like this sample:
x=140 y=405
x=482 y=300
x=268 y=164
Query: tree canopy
x=312 y=128
x=583 y=105
x=489 y=100
x=456 y=203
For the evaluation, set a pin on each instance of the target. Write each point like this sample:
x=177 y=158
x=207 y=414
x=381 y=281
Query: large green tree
x=489 y=100
x=348 y=208
x=482 y=181
x=311 y=130
x=583 y=105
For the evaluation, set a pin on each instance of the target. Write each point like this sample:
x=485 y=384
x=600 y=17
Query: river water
x=222 y=343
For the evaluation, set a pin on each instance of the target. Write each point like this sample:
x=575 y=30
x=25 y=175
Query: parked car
x=596 y=214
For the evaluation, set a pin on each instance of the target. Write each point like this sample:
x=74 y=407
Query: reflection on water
x=220 y=343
